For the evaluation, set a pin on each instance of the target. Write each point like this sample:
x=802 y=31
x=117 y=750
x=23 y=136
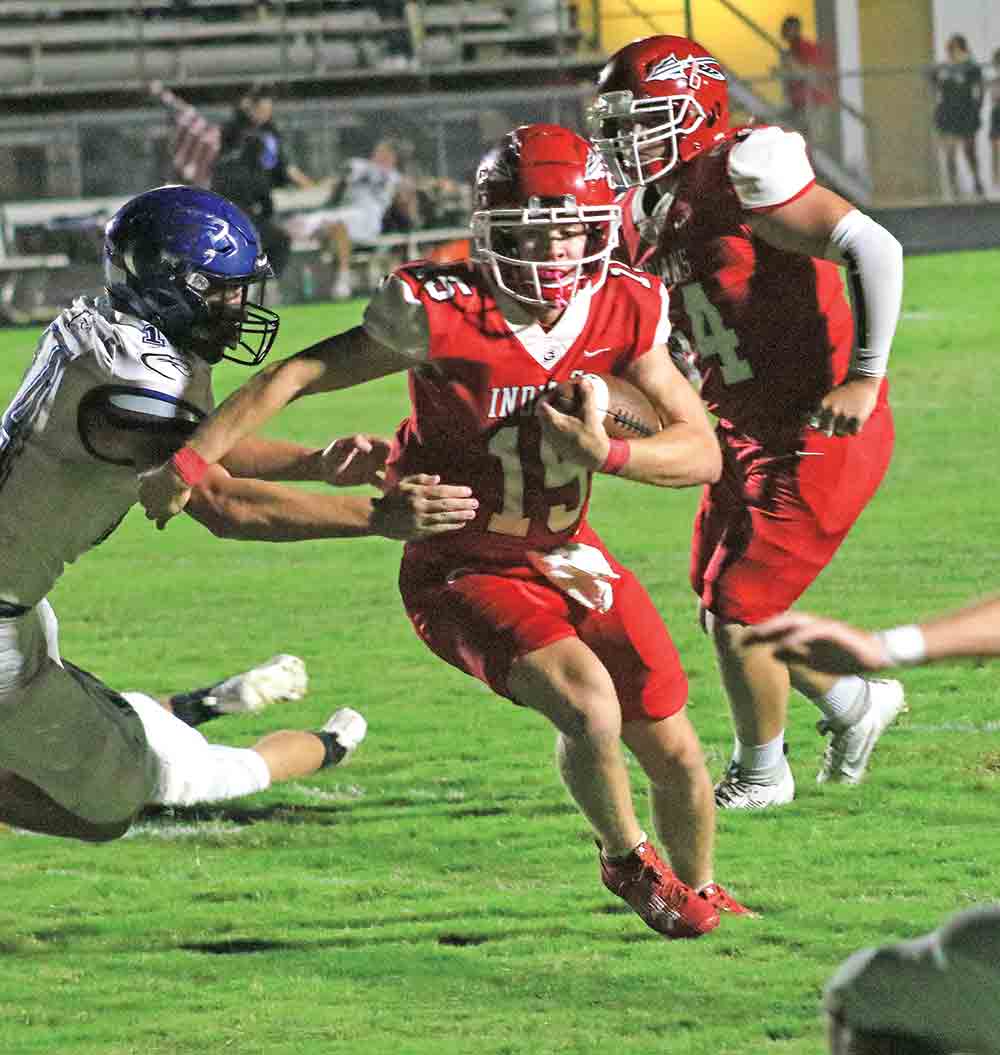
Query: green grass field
x=440 y=895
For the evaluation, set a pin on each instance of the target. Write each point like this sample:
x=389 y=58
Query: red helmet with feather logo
x=543 y=176
x=661 y=101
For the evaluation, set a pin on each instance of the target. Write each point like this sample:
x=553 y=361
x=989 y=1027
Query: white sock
x=760 y=763
x=625 y=853
x=846 y=702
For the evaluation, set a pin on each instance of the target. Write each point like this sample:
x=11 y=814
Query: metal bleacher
x=60 y=46
x=80 y=130
x=24 y=277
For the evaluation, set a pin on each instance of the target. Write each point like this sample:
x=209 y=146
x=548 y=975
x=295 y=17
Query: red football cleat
x=723 y=901
x=662 y=901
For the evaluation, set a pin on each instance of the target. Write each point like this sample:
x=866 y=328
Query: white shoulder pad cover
x=769 y=168
x=85 y=333
x=145 y=373
x=396 y=318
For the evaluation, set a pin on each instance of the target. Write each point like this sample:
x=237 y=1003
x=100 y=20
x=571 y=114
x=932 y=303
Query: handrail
x=772 y=42
x=800 y=75
x=782 y=75
x=752 y=25
x=643 y=16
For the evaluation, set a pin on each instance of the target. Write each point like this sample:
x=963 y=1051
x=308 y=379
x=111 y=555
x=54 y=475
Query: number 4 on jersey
x=712 y=337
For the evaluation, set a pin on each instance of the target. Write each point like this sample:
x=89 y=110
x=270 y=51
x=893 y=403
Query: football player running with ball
x=117 y=383
x=750 y=245
x=527 y=598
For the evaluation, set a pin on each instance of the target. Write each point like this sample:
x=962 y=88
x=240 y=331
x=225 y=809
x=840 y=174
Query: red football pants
x=480 y=619
x=778 y=514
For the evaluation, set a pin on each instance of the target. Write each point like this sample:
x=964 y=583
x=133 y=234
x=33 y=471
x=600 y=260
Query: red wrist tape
x=189 y=465
x=618 y=455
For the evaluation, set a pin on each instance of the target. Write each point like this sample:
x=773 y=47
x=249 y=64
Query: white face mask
x=640 y=139
x=499 y=234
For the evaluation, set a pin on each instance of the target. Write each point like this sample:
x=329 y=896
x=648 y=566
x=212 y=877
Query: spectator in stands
x=360 y=198
x=809 y=96
x=428 y=203
x=444 y=202
x=423 y=201
x=252 y=163
x=957 y=116
x=406 y=211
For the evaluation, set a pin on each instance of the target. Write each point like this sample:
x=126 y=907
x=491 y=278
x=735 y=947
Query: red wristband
x=618 y=455
x=189 y=465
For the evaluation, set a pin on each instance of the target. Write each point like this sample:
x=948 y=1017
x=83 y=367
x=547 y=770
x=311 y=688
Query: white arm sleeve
x=874 y=260
x=395 y=317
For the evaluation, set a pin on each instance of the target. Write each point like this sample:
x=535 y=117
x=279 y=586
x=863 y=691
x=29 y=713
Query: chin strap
x=172 y=313
x=164 y=306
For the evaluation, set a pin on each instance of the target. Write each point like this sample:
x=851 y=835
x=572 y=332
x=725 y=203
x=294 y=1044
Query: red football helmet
x=543 y=176
x=661 y=101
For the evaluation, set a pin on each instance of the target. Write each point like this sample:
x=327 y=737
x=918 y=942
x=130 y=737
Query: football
x=628 y=414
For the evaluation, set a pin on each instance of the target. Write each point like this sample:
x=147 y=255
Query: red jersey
x=480 y=363
x=773 y=330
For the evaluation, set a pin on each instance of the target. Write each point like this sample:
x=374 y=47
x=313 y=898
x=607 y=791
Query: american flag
x=196 y=140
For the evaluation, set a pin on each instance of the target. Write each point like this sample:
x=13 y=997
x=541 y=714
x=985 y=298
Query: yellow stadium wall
x=712 y=25
x=893 y=33
x=899 y=104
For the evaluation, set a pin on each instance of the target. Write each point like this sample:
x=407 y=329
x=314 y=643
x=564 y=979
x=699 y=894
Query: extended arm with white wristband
x=904 y=646
x=971 y=631
x=874 y=260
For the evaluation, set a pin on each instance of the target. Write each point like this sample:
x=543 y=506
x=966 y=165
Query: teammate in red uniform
x=735 y=223
x=526 y=597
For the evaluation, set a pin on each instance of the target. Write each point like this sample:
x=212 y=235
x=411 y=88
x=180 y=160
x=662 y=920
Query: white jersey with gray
x=62 y=491
x=59 y=496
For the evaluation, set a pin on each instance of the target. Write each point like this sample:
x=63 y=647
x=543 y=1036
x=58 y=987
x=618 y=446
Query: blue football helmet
x=185 y=259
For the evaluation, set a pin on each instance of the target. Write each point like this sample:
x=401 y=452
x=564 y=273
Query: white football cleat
x=280 y=678
x=846 y=757
x=734 y=792
x=348 y=728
